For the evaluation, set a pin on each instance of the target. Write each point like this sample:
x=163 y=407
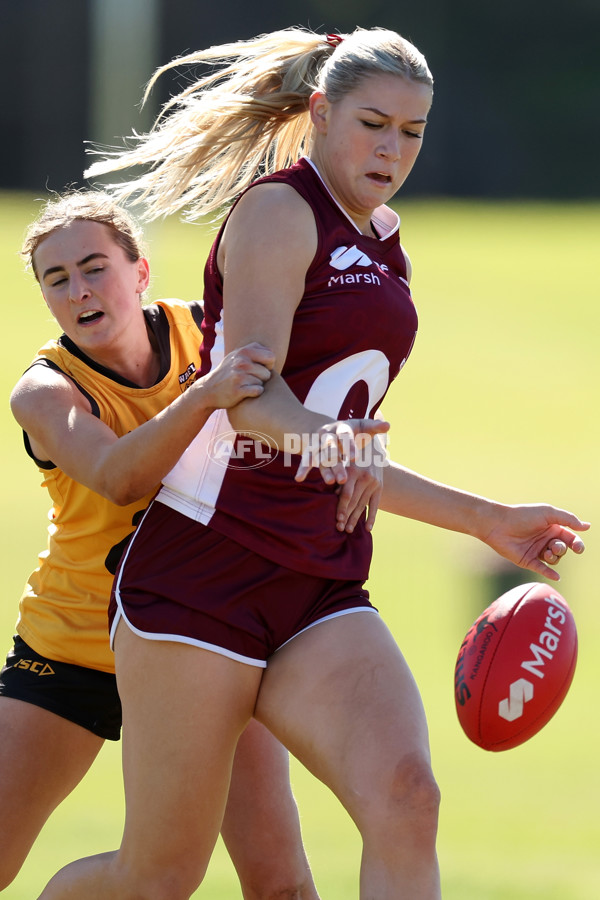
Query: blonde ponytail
x=248 y=116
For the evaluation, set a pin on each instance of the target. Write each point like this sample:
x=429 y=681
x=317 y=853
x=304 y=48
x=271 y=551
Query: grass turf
x=499 y=397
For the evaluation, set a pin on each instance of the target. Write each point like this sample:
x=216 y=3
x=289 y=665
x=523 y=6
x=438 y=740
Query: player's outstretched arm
x=533 y=536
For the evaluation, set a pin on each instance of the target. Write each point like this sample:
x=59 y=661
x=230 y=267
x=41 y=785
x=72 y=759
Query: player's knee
x=417 y=792
x=277 y=878
x=414 y=801
x=278 y=890
x=408 y=804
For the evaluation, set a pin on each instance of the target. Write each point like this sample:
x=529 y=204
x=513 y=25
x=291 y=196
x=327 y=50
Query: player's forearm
x=413 y=496
x=277 y=414
x=137 y=462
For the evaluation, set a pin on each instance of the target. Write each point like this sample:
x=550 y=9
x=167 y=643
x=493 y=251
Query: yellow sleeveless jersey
x=63 y=610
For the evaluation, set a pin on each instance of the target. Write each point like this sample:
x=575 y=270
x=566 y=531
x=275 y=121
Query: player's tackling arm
x=63 y=430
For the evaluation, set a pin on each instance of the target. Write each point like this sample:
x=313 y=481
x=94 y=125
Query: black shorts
x=84 y=696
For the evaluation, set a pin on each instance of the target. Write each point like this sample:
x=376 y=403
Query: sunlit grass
x=501 y=397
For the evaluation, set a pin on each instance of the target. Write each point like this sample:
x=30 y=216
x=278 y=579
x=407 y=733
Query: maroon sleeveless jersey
x=351 y=334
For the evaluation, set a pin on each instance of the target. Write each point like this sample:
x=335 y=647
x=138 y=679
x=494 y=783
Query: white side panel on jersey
x=193 y=484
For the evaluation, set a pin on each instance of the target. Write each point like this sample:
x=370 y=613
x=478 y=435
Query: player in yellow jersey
x=106 y=410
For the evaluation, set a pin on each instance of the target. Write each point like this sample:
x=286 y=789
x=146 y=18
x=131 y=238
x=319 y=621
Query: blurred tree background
x=516 y=96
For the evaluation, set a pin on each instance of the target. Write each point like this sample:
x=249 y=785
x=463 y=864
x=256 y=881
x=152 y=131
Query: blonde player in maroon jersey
x=106 y=410
x=238 y=595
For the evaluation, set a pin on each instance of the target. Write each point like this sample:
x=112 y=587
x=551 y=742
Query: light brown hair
x=93 y=206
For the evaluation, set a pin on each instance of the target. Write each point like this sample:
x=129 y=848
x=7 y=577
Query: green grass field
x=500 y=397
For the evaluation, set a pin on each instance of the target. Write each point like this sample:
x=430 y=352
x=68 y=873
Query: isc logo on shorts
x=35 y=666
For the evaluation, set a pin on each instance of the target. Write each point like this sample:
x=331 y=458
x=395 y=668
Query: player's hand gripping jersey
x=352 y=332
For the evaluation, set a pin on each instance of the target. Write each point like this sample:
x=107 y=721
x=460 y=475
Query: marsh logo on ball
x=515 y=666
x=520 y=692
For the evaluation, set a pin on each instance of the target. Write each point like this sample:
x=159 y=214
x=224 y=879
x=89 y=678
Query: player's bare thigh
x=341 y=697
x=183 y=711
x=43 y=757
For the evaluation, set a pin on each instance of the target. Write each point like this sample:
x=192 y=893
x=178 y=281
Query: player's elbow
x=122 y=491
x=124 y=498
x=120 y=480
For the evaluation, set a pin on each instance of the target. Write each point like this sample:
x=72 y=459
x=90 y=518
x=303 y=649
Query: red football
x=515 y=666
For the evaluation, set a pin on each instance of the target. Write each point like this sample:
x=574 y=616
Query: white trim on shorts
x=335 y=615
x=181 y=639
x=215 y=648
x=174 y=638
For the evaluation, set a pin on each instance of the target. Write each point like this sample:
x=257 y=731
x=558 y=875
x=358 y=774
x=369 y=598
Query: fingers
x=553 y=552
x=363 y=499
x=556 y=547
x=254 y=372
x=337 y=445
x=257 y=353
x=335 y=474
x=353 y=500
x=536 y=565
x=560 y=520
x=345 y=495
x=241 y=374
x=373 y=509
x=360 y=493
x=247 y=391
x=571 y=520
x=573 y=541
x=252 y=362
x=375 y=426
x=245 y=385
x=365 y=429
x=330 y=450
x=250 y=369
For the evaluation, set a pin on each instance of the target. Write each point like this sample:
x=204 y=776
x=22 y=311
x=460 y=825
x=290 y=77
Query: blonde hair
x=249 y=116
x=93 y=206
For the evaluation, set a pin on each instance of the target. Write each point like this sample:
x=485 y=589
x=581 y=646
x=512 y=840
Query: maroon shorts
x=182 y=581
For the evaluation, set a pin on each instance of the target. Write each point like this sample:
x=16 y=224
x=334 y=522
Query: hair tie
x=334 y=39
